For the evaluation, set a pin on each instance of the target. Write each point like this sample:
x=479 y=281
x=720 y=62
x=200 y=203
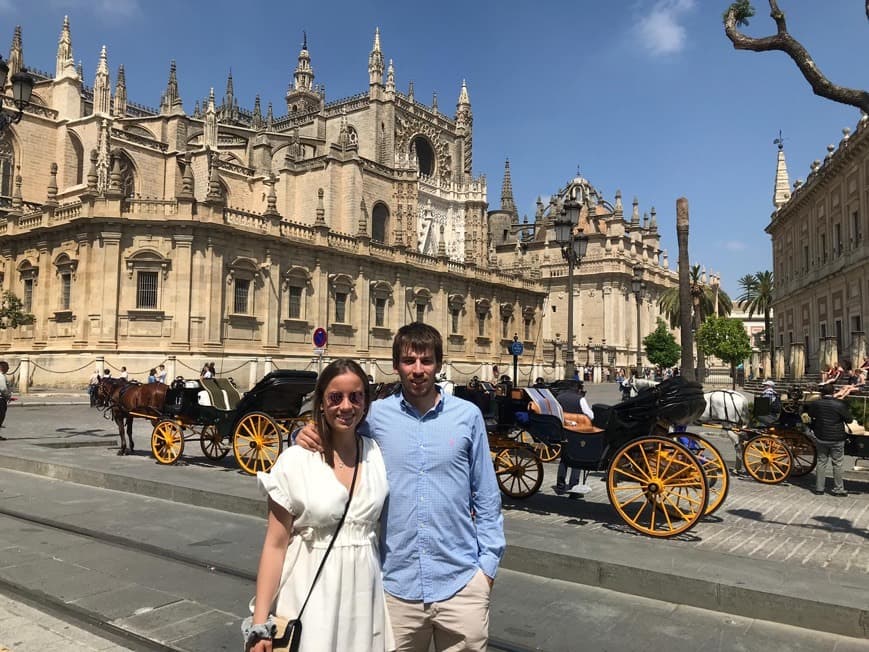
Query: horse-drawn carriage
x=212 y=412
x=658 y=485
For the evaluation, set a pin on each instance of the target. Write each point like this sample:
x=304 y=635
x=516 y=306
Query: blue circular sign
x=320 y=338
x=516 y=348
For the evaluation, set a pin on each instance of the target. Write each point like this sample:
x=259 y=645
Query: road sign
x=516 y=348
x=320 y=338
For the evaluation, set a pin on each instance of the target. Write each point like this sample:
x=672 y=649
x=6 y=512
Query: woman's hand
x=309 y=439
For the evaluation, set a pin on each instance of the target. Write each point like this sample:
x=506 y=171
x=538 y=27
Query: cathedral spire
x=229 y=98
x=635 y=213
x=65 y=64
x=390 y=79
x=303 y=79
x=210 y=135
x=120 y=105
x=782 y=192
x=464 y=98
x=102 y=91
x=16 y=54
x=257 y=117
x=410 y=97
x=171 y=99
x=375 y=62
x=270 y=118
x=507 y=203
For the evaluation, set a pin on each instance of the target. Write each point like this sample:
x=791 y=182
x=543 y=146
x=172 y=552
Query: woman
x=152 y=376
x=307 y=493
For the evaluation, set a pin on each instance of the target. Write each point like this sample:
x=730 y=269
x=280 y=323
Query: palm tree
x=703 y=300
x=756 y=297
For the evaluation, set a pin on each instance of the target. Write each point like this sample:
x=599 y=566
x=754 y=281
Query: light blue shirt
x=440 y=472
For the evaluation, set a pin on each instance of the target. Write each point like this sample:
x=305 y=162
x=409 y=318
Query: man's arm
x=486 y=502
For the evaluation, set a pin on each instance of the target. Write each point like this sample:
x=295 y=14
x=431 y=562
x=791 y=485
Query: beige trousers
x=458 y=624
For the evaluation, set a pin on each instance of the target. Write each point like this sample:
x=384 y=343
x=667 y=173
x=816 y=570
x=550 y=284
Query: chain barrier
x=223 y=371
x=455 y=368
x=36 y=365
x=387 y=372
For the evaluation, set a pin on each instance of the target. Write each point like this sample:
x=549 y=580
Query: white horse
x=726 y=407
x=637 y=384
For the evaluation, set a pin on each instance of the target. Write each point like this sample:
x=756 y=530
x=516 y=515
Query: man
x=828 y=417
x=5 y=393
x=93 y=386
x=572 y=400
x=443 y=534
x=161 y=374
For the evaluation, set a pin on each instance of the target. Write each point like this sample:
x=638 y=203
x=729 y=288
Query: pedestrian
x=307 y=493
x=572 y=400
x=161 y=374
x=212 y=372
x=5 y=393
x=152 y=376
x=539 y=383
x=206 y=371
x=123 y=375
x=93 y=386
x=827 y=417
x=443 y=533
x=106 y=374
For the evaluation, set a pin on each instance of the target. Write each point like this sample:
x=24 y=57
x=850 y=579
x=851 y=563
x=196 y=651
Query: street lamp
x=638 y=286
x=573 y=248
x=22 y=89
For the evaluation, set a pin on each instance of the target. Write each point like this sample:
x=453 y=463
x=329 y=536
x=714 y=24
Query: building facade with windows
x=821 y=256
x=139 y=235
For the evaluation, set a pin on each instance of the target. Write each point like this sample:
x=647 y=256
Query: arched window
x=149 y=268
x=379 y=222
x=483 y=308
x=241 y=279
x=381 y=297
x=341 y=289
x=29 y=274
x=65 y=267
x=425 y=157
x=296 y=282
x=74 y=170
x=456 y=304
x=7 y=167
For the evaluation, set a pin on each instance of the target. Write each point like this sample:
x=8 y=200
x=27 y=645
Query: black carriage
x=254 y=425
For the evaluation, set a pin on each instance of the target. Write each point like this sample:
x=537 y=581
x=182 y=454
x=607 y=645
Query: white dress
x=347 y=609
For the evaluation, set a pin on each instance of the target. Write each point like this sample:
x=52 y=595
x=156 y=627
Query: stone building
x=821 y=258
x=137 y=235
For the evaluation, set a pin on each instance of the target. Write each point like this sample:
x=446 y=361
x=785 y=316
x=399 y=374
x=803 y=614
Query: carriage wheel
x=767 y=459
x=212 y=444
x=803 y=452
x=546 y=452
x=657 y=486
x=167 y=442
x=519 y=472
x=717 y=477
x=256 y=443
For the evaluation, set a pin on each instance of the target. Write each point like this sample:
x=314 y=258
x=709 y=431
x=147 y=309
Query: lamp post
x=573 y=248
x=637 y=287
x=22 y=89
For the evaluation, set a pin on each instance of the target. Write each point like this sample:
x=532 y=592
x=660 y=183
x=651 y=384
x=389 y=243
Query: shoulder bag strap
x=337 y=529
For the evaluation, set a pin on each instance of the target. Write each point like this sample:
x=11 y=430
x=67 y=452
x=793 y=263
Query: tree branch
x=784 y=42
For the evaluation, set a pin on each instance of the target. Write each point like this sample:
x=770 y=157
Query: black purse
x=288 y=633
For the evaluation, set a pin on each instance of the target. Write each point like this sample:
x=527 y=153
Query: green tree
x=12 y=313
x=661 y=347
x=757 y=296
x=725 y=339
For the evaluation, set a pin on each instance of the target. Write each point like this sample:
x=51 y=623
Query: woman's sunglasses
x=334 y=399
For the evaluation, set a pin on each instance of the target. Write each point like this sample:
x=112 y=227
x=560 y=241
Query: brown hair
x=332 y=371
x=419 y=338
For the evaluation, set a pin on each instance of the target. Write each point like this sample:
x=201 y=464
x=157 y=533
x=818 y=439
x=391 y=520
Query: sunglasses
x=334 y=399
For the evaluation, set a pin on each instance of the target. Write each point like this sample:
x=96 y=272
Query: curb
x=753 y=588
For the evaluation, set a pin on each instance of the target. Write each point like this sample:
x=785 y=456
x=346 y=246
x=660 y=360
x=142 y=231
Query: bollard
x=268 y=366
x=24 y=375
x=171 y=366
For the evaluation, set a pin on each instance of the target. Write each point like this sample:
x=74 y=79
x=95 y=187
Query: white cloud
x=735 y=245
x=660 y=30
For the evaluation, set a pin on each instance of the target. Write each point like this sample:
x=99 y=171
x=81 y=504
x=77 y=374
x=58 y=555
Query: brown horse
x=124 y=400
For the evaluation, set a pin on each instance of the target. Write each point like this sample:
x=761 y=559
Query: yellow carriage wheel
x=546 y=452
x=657 y=486
x=803 y=452
x=717 y=477
x=519 y=472
x=767 y=459
x=212 y=444
x=167 y=442
x=256 y=443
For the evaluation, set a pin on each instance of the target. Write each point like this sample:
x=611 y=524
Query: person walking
x=828 y=416
x=442 y=535
x=317 y=565
x=5 y=393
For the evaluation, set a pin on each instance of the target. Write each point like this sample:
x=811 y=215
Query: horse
x=636 y=385
x=725 y=406
x=123 y=399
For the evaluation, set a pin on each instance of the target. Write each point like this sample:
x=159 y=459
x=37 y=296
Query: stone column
x=252 y=372
x=24 y=375
x=100 y=364
x=110 y=254
x=44 y=292
x=268 y=365
x=213 y=311
x=81 y=289
x=171 y=366
x=832 y=349
x=798 y=360
x=182 y=282
x=779 y=363
x=858 y=348
x=764 y=364
x=823 y=362
x=363 y=307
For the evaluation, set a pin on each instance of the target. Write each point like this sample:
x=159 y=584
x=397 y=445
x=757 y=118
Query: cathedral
x=138 y=236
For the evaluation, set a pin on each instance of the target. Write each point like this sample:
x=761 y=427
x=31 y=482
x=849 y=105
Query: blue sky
x=646 y=96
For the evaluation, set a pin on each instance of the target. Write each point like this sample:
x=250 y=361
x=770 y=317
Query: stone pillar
x=832 y=349
x=182 y=278
x=858 y=348
x=823 y=362
x=764 y=364
x=24 y=375
x=754 y=363
x=215 y=288
x=268 y=365
x=100 y=364
x=171 y=367
x=252 y=372
x=798 y=360
x=363 y=307
x=779 y=363
x=110 y=253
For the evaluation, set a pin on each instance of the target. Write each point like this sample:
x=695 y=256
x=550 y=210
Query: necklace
x=341 y=465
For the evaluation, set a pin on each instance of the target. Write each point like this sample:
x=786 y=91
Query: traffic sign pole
x=516 y=349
